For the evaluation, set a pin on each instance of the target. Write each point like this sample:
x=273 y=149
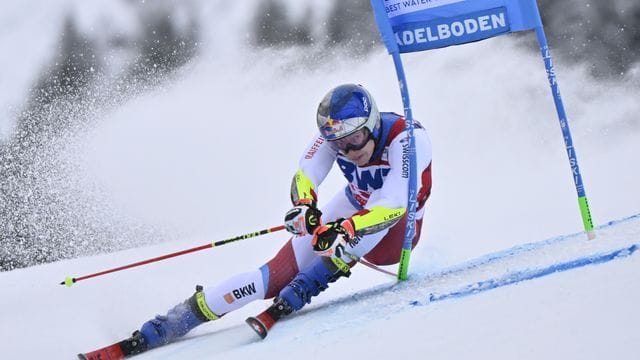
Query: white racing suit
x=374 y=194
x=375 y=200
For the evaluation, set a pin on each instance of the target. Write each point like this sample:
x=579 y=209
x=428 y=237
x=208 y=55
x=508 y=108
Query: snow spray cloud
x=49 y=210
x=133 y=162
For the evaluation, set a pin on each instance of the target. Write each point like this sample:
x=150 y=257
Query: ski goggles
x=354 y=141
x=333 y=129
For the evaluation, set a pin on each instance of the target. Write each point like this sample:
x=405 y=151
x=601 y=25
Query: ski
x=111 y=352
x=120 y=350
x=263 y=322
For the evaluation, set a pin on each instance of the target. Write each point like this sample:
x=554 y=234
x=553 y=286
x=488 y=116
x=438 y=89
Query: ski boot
x=307 y=284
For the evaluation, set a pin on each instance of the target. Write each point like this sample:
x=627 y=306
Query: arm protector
x=378 y=218
x=303 y=190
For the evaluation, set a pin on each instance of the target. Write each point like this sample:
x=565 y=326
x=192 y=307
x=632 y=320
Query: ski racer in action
x=365 y=220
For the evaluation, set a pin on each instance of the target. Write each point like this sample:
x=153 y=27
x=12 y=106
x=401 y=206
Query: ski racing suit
x=375 y=199
x=374 y=192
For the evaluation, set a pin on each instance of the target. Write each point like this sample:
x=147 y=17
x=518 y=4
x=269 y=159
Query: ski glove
x=331 y=239
x=302 y=219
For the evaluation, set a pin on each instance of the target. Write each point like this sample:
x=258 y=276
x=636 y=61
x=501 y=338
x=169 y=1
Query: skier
x=366 y=220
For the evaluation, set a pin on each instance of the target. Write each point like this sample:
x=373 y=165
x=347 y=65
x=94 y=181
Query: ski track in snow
x=518 y=264
x=95 y=313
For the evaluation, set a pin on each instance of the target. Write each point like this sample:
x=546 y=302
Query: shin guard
x=178 y=321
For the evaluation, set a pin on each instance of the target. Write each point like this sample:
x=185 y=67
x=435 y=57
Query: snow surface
x=186 y=157
x=589 y=312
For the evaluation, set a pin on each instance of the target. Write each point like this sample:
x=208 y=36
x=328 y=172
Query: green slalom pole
x=409 y=159
x=583 y=203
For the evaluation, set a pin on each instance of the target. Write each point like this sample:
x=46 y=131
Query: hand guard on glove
x=302 y=219
x=331 y=239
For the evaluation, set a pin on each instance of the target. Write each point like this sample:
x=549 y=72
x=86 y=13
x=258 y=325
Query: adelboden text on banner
x=418 y=25
x=428 y=24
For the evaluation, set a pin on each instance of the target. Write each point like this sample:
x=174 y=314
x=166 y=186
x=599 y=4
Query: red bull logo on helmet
x=332 y=128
